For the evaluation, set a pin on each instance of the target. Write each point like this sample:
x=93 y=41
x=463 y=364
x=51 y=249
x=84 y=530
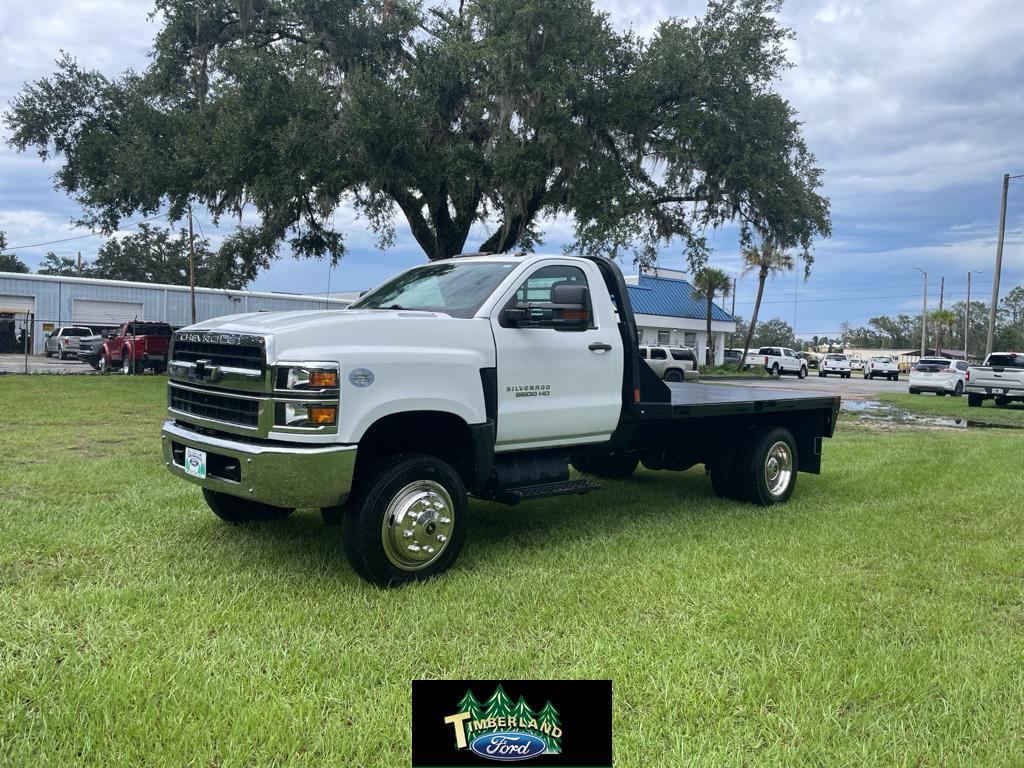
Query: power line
x=849 y=298
x=82 y=237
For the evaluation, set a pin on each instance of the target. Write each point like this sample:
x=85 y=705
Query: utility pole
x=999 y=265
x=924 y=312
x=967 y=312
x=79 y=263
x=191 y=264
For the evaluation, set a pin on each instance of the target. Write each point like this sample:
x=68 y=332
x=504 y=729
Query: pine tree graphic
x=549 y=717
x=499 y=705
x=471 y=705
x=522 y=711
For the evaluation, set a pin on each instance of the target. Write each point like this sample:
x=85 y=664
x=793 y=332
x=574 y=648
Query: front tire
x=802 y=374
x=766 y=467
x=127 y=362
x=235 y=509
x=408 y=522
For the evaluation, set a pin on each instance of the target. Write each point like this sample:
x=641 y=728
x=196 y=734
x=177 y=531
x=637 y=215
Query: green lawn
x=957 y=408
x=876 y=620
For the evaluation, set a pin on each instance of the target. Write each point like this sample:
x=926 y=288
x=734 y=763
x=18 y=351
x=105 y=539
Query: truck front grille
x=212 y=405
x=223 y=349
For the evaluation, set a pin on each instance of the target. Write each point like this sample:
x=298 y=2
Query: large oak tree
x=494 y=111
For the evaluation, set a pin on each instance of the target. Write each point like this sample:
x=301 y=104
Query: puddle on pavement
x=873 y=411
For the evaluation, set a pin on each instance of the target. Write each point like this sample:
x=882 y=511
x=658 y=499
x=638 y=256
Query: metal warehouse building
x=39 y=303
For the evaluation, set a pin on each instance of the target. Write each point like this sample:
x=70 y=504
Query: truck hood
x=282 y=322
x=333 y=334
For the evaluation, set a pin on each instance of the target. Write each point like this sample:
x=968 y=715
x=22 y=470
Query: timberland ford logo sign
x=505 y=730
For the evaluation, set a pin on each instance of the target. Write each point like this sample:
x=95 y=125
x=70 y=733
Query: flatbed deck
x=699 y=399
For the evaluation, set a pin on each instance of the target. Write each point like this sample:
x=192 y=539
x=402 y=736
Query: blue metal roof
x=671 y=297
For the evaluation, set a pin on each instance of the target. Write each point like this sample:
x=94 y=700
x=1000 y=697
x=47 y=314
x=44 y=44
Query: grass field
x=957 y=408
x=876 y=620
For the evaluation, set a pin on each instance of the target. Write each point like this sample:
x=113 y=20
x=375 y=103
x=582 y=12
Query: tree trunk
x=762 y=276
x=710 y=354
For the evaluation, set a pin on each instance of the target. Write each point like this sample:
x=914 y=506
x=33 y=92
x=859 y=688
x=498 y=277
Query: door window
x=536 y=292
x=658 y=354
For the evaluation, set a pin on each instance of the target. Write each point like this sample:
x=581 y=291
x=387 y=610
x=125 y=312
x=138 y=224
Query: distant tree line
x=150 y=255
x=945 y=328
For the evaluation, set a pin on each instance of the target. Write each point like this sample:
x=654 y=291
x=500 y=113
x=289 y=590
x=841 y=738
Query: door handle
x=600 y=346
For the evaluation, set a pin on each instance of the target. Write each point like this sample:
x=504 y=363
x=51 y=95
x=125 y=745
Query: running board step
x=543 y=490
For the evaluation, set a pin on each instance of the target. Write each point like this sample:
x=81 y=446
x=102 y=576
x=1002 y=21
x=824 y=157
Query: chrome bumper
x=273 y=473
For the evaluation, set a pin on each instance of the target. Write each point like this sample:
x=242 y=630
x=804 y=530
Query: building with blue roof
x=668 y=313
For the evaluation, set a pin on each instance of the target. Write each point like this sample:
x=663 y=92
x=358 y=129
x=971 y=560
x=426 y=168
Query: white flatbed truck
x=484 y=376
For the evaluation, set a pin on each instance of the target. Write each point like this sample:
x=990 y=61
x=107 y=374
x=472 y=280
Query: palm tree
x=707 y=283
x=943 y=320
x=767 y=260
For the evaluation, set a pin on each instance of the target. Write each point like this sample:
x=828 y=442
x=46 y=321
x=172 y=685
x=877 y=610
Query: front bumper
x=279 y=474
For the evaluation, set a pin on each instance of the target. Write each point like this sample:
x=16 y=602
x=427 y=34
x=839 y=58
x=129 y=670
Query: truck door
x=555 y=386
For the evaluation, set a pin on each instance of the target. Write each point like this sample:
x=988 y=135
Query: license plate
x=195 y=462
x=996 y=391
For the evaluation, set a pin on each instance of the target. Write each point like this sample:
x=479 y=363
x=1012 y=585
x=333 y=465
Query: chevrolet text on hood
x=486 y=376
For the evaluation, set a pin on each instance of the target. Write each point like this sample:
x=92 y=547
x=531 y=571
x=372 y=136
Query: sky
x=914 y=109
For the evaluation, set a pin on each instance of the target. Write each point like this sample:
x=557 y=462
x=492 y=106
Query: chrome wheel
x=417 y=525
x=778 y=468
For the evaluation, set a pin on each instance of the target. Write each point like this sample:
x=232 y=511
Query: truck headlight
x=312 y=377
x=307 y=415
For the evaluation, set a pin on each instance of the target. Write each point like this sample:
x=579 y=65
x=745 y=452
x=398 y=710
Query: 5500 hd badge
x=500 y=729
x=530 y=390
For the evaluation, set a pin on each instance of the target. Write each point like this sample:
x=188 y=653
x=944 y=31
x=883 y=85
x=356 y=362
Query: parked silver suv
x=671 y=363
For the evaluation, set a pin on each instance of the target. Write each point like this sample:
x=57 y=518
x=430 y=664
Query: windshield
x=457 y=289
x=1005 y=360
x=147 y=329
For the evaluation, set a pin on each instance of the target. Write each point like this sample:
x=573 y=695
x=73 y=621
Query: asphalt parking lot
x=855 y=387
x=14 y=363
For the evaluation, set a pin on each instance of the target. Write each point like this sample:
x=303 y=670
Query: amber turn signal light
x=322 y=414
x=323 y=379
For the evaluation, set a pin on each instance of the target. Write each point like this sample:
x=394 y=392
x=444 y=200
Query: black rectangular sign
x=511 y=722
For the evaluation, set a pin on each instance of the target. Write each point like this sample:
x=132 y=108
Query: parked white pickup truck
x=484 y=375
x=882 y=365
x=835 y=362
x=777 y=361
x=1001 y=378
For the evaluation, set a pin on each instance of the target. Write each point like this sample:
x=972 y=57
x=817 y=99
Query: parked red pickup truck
x=135 y=346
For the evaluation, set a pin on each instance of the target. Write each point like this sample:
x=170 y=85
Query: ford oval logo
x=508 y=745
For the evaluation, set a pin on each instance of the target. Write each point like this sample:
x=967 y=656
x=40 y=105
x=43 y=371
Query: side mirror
x=568 y=310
